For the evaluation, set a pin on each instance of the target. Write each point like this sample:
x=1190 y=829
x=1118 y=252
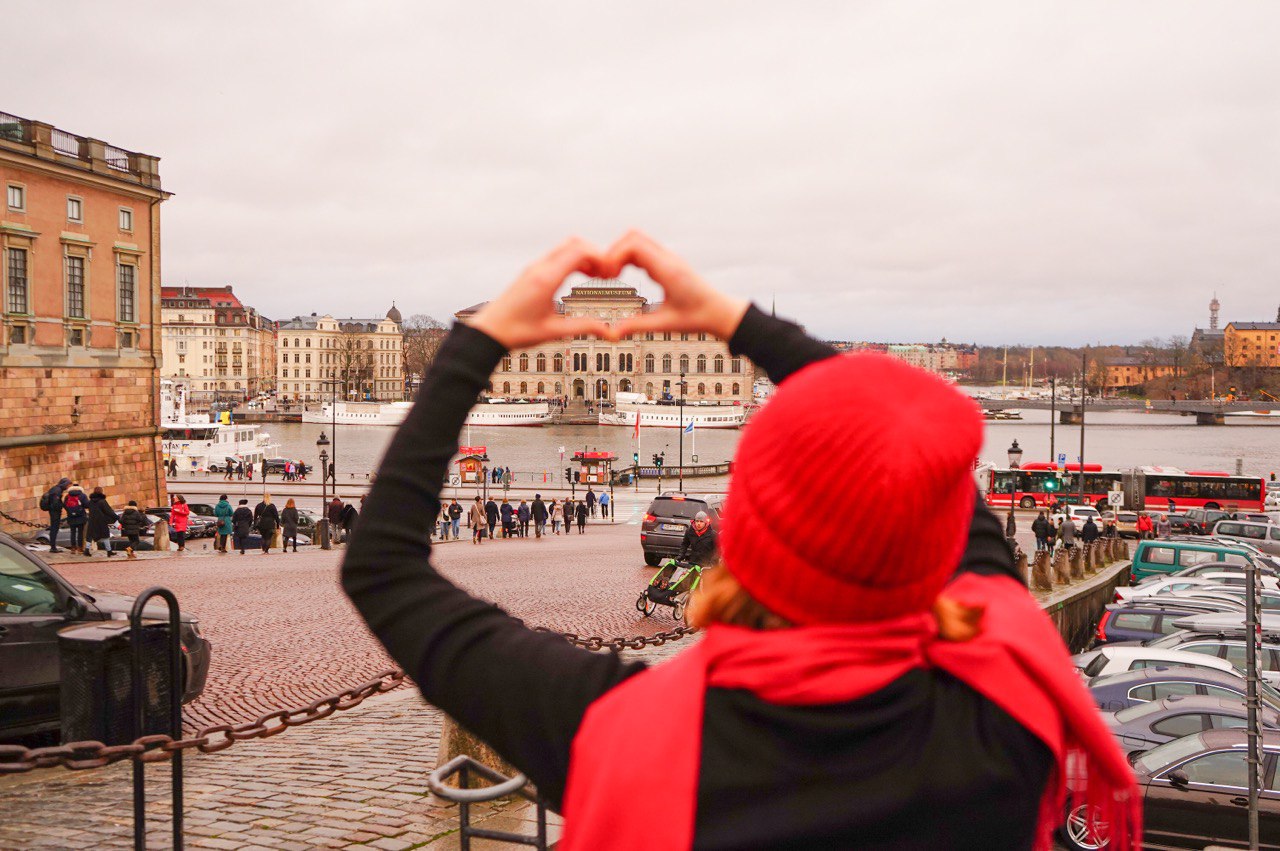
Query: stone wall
x=96 y=426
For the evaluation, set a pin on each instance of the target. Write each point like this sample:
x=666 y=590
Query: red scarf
x=1018 y=662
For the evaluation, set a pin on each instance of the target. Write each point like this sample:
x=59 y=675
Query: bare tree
x=422 y=338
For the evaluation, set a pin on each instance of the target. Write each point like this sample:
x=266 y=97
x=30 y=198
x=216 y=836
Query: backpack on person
x=71 y=503
x=44 y=501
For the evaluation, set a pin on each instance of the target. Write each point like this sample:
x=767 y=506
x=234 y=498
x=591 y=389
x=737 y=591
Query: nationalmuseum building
x=593 y=370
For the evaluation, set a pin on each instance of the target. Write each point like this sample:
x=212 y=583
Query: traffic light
x=1051 y=484
x=635 y=459
x=568 y=473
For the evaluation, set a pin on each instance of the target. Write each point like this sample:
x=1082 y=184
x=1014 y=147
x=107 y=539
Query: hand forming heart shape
x=525 y=315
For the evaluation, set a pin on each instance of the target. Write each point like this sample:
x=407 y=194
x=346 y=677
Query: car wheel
x=1080 y=832
x=1026 y=502
x=652 y=559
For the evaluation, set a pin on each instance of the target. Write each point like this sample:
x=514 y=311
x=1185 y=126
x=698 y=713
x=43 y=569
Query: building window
x=719 y=389
x=17 y=196
x=684 y=363
x=17 y=267
x=702 y=389
x=17 y=335
x=736 y=365
x=524 y=387
x=75 y=337
x=557 y=364
x=128 y=293
x=735 y=389
x=702 y=363
x=542 y=366
x=666 y=363
x=524 y=363
x=719 y=363
x=75 y=209
x=648 y=363
x=126 y=339
x=75 y=287
x=506 y=388
x=126 y=219
x=506 y=363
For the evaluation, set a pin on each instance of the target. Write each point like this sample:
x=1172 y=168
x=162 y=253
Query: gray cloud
x=1058 y=172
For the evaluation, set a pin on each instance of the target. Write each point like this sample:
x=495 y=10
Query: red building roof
x=218 y=296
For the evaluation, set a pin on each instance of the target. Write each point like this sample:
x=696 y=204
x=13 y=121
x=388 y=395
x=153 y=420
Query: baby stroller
x=672 y=585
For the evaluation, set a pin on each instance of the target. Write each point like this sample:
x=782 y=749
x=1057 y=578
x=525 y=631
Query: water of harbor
x=1116 y=440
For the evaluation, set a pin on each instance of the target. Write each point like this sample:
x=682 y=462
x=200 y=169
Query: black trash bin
x=97 y=687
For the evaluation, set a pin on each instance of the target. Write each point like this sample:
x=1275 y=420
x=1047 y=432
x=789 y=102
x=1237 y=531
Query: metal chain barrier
x=77 y=756
x=21 y=522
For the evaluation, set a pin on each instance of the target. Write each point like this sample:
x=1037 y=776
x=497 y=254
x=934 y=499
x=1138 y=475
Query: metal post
x=1251 y=678
x=1084 y=395
x=139 y=714
x=333 y=427
x=1053 y=418
x=680 y=469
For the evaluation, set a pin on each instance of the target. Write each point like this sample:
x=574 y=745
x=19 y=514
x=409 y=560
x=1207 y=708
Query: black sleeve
x=778 y=347
x=521 y=691
x=988 y=550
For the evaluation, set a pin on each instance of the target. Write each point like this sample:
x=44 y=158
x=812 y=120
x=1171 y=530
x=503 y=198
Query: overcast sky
x=992 y=171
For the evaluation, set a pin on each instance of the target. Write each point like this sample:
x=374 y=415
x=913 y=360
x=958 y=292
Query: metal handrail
x=463 y=765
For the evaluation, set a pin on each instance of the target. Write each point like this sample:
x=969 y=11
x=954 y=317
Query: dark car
x=1146 y=618
x=1199 y=521
x=275 y=465
x=1146 y=725
x=1194 y=795
x=36 y=603
x=1121 y=691
x=199 y=523
x=664 y=524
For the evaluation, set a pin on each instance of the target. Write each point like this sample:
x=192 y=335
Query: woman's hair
x=179 y=498
x=290 y=504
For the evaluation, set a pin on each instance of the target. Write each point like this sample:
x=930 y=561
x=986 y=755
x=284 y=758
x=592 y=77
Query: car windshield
x=1139 y=710
x=24 y=587
x=1162 y=756
x=683 y=508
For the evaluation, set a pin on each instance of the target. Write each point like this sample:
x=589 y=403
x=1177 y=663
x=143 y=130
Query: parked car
x=1226 y=647
x=1160 y=586
x=1193 y=795
x=1126 y=524
x=1270 y=599
x=1142 y=621
x=1201 y=520
x=1120 y=691
x=118 y=541
x=199 y=524
x=1264 y=536
x=36 y=602
x=1169 y=556
x=1214 y=567
x=276 y=465
x=1146 y=725
x=669 y=515
x=1079 y=514
x=1106 y=661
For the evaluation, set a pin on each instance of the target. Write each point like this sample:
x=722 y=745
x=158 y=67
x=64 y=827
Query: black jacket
x=289 y=521
x=580 y=509
x=132 y=522
x=100 y=518
x=539 y=509
x=1090 y=532
x=77 y=515
x=349 y=517
x=1041 y=529
x=455 y=510
x=491 y=511
x=701 y=549
x=266 y=517
x=924 y=763
x=242 y=521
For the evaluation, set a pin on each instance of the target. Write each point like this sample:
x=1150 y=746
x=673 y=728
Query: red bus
x=1037 y=485
x=1198 y=489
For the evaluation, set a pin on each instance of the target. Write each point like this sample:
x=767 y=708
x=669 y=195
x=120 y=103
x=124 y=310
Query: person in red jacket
x=179 y=520
x=886 y=685
x=1146 y=529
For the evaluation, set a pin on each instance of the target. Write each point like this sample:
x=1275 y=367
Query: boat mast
x=1004 y=375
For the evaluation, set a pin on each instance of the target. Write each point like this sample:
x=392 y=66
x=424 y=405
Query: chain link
x=20 y=521
x=639 y=642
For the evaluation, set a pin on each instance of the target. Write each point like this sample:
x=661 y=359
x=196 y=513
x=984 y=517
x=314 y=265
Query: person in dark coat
x=455 y=519
x=266 y=517
x=289 y=526
x=1011 y=529
x=491 y=515
x=591 y=501
x=1043 y=530
x=100 y=519
x=132 y=524
x=700 y=544
x=350 y=514
x=539 y=511
x=242 y=524
x=335 y=513
x=523 y=514
x=580 y=509
x=52 y=503
x=1090 y=532
x=76 y=504
x=508 y=526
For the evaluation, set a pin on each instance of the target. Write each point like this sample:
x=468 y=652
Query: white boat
x=199 y=444
x=359 y=413
x=1007 y=414
x=630 y=406
x=507 y=412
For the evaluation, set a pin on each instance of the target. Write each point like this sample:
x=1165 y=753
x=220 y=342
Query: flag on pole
x=636 y=433
x=689 y=428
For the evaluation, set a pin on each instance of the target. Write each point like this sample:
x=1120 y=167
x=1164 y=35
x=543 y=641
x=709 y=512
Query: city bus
x=1195 y=489
x=1037 y=485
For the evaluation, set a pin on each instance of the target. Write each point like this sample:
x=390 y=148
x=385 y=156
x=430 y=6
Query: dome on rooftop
x=394 y=314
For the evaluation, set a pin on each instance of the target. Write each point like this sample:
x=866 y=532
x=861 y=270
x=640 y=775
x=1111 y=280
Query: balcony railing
x=46 y=142
x=65 y=143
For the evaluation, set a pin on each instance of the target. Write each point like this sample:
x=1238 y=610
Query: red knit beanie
x=852 y=491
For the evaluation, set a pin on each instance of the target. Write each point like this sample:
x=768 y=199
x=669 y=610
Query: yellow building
x=364 y=357
x=1251 y=344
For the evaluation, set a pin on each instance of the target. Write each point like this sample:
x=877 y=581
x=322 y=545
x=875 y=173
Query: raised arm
x=521 y=691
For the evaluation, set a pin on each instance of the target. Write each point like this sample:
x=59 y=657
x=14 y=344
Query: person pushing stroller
x=700 y=545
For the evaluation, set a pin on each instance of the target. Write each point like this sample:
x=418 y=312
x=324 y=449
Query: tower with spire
x=1213 y=313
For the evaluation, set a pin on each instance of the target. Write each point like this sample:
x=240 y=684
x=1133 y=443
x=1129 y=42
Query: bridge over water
x=1205 y=411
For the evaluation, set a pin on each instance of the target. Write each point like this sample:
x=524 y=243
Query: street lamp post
x=680 y=469
x=1015 y=460
x=322 y=527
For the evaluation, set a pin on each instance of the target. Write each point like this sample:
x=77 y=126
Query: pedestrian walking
x=478 y=520
x=248 y=471
x=591 y=501
x=455 y=518
x=335 y=516
x=581 y=511
x=1067 y=532
x=350 y=514
x=1146 y=529
x=539 y=512
x=223 y=512
x=555 y=511
x=302 y=471
x=240 y=470
x=1090 y=531
x=523 y=514
x=242 y=524
x=604 y=504
x=442 y=522
x=1043 y=530
x=491 y=515
x=1011 y=530
x=179 y=520
x=813 y=665
x=507 y=513
x=289 y=526
x=1163 y=527
x=132 y=524
x=229 y=470
x=266 y=517
x=51 y=502
x=75 y=502
x=101 y=516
